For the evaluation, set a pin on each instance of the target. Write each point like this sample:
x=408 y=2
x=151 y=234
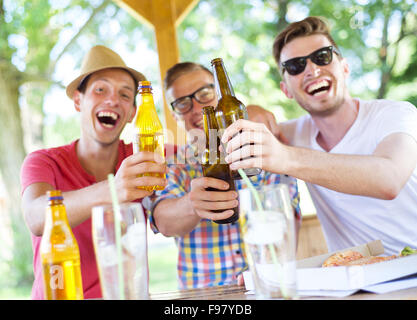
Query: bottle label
x=56 y=280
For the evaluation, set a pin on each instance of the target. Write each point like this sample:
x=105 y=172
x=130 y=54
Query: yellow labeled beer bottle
x=59 y=252
x=213 y=162
x=149 y=134
x=229 y=108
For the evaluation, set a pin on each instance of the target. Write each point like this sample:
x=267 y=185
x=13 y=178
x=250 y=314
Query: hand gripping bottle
x=229 y=108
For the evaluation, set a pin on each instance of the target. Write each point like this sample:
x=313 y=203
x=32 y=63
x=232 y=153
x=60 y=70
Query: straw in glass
x=117 y=215
x=260 y=209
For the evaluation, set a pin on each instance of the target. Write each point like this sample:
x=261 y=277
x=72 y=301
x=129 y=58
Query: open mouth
x=318 y=87
x=107 y=119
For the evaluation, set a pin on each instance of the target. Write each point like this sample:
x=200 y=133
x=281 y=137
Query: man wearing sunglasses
x=209 y=254
x=357 y=156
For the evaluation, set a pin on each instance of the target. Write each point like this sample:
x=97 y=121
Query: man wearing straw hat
x=104 y=95
x=209 y=254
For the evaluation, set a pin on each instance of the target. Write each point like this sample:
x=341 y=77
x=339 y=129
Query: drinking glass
x=132 y=263
x=269 y=236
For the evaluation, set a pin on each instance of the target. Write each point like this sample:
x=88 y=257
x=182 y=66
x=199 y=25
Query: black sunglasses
x=202 y=95
x=321 y=57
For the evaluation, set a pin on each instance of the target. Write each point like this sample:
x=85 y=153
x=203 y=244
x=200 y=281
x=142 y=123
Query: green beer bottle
x=229 y=108
x=213 y=162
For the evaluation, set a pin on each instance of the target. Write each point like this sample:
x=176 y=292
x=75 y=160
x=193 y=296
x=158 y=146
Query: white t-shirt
x=350 y=220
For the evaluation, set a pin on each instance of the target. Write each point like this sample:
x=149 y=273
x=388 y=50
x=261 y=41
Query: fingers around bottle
x=145 y=167
x=204 y=195
x=256 y=162
x=144 y=156
x=205 y=214
x=238 y=126
x=247 y=151
x=215 y=205
x=243 y=138
x=146 y=181
x=208 y=182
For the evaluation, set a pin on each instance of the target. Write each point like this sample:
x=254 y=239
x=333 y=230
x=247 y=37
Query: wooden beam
x=140 y=10
x=163 y=16
x=182 y=9
x=168 y=52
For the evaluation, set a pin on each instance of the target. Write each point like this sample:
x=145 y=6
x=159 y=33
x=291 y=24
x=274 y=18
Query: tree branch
x=400 y=37
x=80 y=31
x=30 y=77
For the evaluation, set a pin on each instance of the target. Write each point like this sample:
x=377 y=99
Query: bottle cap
x=144 y=84
x=216 y=60
x=54 y=195
x=208 y=109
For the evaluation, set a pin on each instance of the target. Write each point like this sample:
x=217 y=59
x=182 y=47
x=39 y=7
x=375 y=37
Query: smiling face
x=320 y=90
x=106 y=105
x=185 y=85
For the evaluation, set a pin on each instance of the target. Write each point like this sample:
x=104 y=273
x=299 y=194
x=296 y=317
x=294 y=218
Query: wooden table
x=234 y=292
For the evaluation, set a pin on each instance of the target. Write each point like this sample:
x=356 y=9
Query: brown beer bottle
x=149 y=134
x=59 y=252
x=213 y=162
x=229 y=108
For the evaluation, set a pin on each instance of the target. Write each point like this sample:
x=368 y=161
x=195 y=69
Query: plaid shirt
x=212 y=254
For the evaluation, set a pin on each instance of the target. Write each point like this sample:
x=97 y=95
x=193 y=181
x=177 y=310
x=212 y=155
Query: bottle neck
x=222 y=81
x=210 y=125
x=146 y=100
x=211 y=130
x=56 y=210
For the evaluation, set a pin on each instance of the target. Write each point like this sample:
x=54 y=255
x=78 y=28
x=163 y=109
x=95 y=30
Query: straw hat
x=99 y=58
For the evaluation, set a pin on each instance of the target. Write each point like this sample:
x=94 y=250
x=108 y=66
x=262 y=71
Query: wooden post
x=163 y=16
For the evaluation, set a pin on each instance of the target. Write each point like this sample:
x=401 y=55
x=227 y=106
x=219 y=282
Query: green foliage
x=377 y=37
x=62 y=131
x=162 y=267
x=242 y=33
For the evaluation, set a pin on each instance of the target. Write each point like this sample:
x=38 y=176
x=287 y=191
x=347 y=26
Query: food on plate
x=341 y=258
x=407 y=251
x=353 y=258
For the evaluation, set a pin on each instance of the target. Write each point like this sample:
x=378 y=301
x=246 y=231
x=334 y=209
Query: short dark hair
x=308 y=26
x=180 y=69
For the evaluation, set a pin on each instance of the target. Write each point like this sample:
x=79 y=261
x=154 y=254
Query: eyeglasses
x=321 y=57
x=185 y=104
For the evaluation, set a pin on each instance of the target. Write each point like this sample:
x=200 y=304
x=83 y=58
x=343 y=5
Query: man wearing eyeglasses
x=209 y=254
x=357 y=156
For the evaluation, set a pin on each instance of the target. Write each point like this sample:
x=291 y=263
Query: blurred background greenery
x=42 y=43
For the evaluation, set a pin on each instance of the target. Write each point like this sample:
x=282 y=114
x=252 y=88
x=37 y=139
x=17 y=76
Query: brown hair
x=308 y=26
x=180 y=69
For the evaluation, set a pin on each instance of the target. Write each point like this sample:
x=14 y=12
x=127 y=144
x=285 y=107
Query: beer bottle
x=229 y=108
x=59 y=252
x=213 y=162
x=149 y=134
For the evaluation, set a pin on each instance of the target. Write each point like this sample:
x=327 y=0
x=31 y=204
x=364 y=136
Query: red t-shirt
x=61 y=168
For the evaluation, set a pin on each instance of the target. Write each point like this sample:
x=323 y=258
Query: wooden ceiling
x=163 y=16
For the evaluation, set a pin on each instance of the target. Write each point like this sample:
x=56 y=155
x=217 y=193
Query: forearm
x=78 y=204
x=175 y=217
x=366 y=175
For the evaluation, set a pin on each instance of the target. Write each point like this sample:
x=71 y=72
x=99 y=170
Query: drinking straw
x=117 y=216
x=261 y=211
x=252 y=189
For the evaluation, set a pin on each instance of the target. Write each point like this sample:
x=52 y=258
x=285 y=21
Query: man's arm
x=78 y=203
x=380 y=175
x=179 y=216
